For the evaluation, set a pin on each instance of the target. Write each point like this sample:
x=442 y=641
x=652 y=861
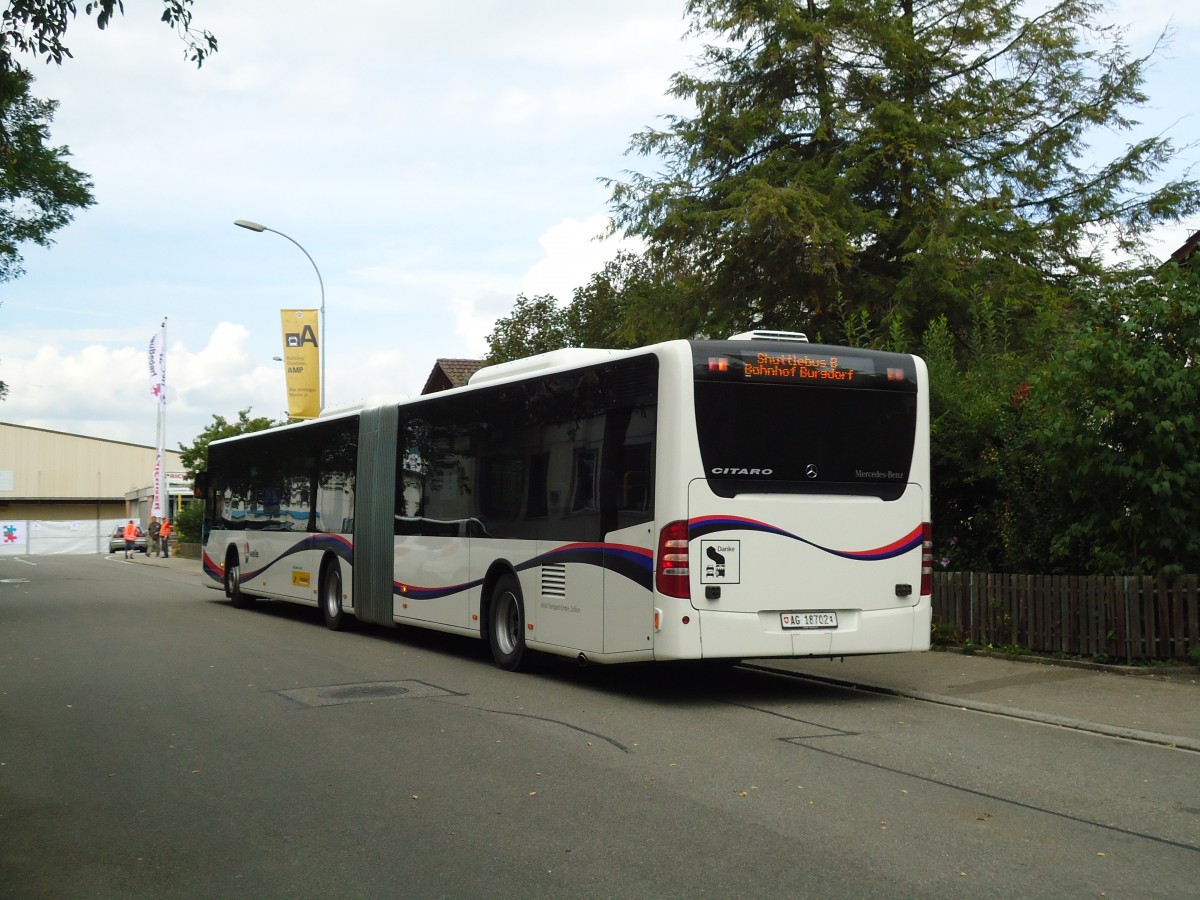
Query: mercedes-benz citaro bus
x=757 y=497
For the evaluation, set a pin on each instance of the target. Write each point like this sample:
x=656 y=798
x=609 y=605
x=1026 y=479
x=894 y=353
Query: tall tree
x=536 y=325
x=630 y=302
x=898 y=155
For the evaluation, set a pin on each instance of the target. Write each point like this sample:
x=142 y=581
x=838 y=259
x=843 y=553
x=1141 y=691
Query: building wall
x=53 y=475
x=63 y=511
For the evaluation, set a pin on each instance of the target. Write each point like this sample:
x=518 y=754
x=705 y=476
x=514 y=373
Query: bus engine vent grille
x=554 y=580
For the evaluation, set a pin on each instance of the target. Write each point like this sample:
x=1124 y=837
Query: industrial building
x=70 y=489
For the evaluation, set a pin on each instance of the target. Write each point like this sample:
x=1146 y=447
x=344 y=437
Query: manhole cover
x=367 y=692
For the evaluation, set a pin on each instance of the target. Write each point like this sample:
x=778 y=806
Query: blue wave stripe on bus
x=335 y=543
x=634 y=563
x=710 y=524
x=412 y=592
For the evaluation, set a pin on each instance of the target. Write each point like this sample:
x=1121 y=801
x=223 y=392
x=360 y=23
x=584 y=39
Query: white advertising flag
x=158 y=367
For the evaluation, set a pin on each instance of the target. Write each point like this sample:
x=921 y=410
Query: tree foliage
x=629 y=302
x=536 y=325
x=1123 y=440
x=37 y=27
x=189 y=522
x=195 y=457
x=39 y=189
x=897 y=155
x=992 y=507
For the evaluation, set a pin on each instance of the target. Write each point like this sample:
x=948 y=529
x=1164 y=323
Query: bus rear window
x=792 y=436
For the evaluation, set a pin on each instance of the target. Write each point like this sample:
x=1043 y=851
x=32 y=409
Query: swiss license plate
x=808 y=619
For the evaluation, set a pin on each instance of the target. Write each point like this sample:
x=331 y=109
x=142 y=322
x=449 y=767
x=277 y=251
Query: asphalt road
x=155 y=742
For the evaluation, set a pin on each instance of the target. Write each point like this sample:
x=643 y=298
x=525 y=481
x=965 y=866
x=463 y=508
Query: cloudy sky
x=435 y=160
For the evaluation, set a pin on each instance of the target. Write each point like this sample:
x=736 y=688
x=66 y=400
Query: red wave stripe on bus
x=710 y=524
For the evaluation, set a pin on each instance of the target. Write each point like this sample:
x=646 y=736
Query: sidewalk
x=1159 y=706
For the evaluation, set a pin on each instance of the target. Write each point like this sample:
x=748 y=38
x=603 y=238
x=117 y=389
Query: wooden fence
x=1122 y=617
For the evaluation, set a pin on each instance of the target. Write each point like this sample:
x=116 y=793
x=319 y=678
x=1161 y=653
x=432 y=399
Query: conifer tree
x=896 y=157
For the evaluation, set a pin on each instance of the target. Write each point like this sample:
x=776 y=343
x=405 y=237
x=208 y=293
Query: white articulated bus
x=752 y=497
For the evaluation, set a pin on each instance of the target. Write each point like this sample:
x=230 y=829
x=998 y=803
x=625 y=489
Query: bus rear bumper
x=750 y=635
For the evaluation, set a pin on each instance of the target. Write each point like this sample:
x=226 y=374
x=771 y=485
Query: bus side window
x=637 y=461
x=633 y=490
x=583 y=489
x=537 y=491
x=502 y=484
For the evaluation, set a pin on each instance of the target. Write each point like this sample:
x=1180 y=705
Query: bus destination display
x=805 y=366
x=809 y=367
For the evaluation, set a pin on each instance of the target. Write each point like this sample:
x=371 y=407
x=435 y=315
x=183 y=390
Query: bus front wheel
x=506 y=624
x=331 y=597
x=233 y=584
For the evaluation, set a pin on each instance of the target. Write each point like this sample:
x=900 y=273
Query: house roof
x=1188 y=250
x=448 y=373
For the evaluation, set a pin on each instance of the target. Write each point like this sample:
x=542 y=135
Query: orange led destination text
x=792 y=365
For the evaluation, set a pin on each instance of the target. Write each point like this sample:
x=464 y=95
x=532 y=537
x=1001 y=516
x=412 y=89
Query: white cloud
x=105 y=391
x=574 y=251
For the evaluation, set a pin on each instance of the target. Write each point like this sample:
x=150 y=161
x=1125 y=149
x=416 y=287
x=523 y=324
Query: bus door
x=432 y=566
x=628 y=589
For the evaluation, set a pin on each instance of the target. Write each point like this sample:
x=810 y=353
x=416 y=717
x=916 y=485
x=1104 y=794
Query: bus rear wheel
x=331 y=597
x=506 y=624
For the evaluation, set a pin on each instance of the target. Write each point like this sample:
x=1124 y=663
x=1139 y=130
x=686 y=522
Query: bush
x=187 y=523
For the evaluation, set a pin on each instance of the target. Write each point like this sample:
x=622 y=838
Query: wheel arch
x=497 y=570
x=329 y=558
x=232 y=557
x=331 y=592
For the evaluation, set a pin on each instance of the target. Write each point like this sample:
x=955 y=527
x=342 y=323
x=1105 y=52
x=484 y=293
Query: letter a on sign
x=301 y=358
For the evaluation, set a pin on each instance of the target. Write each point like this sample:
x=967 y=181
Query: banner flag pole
x=159 y=505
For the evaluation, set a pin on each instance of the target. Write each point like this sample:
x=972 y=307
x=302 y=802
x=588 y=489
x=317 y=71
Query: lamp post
x=254 y=226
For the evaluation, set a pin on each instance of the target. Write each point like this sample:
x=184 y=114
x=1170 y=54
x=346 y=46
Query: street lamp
x=254 y=226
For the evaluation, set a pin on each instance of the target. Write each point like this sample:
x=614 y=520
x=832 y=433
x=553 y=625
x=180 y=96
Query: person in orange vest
x=130 y=539
x=164 y=535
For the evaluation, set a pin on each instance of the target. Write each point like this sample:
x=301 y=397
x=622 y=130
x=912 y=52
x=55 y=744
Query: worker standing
x=164 y=535
x=130 y=539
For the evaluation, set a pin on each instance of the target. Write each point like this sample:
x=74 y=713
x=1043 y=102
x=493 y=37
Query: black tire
x=506 y=624
x=233 y=583
x=331 y=597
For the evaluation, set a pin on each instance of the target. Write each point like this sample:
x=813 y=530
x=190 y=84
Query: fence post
x=972 y=628
x=1128 y=635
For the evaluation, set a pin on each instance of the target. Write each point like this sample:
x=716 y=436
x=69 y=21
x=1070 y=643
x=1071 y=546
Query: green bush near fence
x=187 y=523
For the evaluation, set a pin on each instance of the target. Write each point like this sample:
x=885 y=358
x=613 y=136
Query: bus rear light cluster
x=671 y=571
x=926 y=559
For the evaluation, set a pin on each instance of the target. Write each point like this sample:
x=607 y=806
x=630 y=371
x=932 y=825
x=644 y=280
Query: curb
x=1167 y=673
x=1175 y=742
